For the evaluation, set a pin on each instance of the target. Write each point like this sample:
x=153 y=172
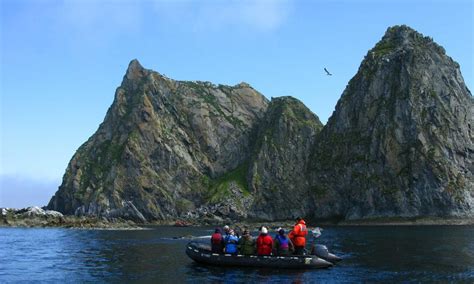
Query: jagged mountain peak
x=399 y=142
x=161 y=140
x=401 y=34
x=403 y=59
x=134 y=63
x=402 y=37
x=135 y=70
x=287 y=101
x=284 y=106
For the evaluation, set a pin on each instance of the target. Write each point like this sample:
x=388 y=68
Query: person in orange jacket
x=298 y=236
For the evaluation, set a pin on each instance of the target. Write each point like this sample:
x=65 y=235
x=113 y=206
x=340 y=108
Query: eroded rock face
x=400 y=141
x=398 y=144
x=278 y=168
x=161 y=145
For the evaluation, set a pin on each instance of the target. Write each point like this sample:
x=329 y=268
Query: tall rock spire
x=399 y=142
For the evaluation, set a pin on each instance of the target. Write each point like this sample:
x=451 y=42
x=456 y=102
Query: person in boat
x=226 y=230
x=264 y=243
x=298 y=236
x=231 y=241
x=282 y=245
x=217 y=241
x=238 y=231
x=246 y=244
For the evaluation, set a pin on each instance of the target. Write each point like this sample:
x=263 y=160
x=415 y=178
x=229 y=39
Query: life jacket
x=216 y=243
x=216 y=239
x=283 y=242
x=231 y=244
x=264 y=245
x=298 y=235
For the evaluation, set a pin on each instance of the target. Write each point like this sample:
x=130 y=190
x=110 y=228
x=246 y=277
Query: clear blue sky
x=62 y=60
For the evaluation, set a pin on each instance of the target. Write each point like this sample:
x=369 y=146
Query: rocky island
x=35 y=216
x=398 y=145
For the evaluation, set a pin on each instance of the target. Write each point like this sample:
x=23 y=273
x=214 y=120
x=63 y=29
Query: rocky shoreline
x=425 y=221
x=36 y=217
x=408 y=221
x=377 y=222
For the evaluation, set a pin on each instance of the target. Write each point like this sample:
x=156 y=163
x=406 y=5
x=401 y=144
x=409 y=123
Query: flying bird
x=327 y=72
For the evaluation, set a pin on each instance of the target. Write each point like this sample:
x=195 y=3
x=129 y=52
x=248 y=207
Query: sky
x=61 y=62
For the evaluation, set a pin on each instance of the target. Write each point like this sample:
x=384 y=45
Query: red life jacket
x=216 y=238
x=264 y=245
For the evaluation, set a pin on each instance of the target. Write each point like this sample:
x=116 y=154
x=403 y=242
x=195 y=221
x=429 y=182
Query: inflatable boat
x=202 y=253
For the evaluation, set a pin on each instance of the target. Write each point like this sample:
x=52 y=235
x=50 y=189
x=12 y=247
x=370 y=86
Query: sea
x=371 y=254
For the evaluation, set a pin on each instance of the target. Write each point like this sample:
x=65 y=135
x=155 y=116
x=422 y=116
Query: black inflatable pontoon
x=201 y=253
x=322 y=251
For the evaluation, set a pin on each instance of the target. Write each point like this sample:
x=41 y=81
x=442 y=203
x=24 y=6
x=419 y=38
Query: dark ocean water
x=371 y=254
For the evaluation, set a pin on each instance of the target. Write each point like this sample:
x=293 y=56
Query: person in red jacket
x=264 y=242
x=298 y=236
x=217 y=241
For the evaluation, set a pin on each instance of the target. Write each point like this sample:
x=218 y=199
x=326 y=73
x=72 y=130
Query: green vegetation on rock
x=383 y=47
x=219 y=188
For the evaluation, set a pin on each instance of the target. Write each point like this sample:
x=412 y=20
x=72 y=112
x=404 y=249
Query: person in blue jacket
x=282 y=245
x=231 y=242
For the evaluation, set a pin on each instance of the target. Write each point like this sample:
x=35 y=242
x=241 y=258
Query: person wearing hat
x=298 y=236
x=217 y=241
x=264 y=243
x=282 y=245
x=246 y=244
x=226 y=230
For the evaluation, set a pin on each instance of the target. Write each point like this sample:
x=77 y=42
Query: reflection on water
x=394 y=254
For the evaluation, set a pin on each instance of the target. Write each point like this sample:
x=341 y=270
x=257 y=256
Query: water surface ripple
x=371 y=254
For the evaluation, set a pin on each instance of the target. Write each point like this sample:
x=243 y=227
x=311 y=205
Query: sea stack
x=400 y=141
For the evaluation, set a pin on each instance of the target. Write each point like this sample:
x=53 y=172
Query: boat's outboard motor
x=323 y=252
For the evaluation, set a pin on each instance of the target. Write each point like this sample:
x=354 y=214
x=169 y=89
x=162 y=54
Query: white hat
x=264 y=230
x=226 y=227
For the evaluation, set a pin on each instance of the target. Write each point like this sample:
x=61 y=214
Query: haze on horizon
x=61 y=62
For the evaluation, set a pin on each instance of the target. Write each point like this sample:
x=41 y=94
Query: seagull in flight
x=327 y=72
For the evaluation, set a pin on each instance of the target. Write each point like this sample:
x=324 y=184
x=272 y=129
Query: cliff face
x=278 y=176
x=161 y=146
x=400 y=141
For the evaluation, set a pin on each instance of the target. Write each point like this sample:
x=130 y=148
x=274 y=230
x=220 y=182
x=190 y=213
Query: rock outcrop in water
x=398 y=144
x=35 y=216
x=400 y=141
